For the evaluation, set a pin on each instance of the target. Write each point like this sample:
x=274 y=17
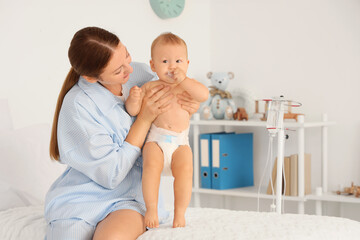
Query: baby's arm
x=198 y=91
x=134 y=101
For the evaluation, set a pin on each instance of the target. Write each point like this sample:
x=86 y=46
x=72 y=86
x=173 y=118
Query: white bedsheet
x=22 y=223
x=204 y=223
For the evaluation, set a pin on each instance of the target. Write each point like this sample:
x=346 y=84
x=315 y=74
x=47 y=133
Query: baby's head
x=168 y=52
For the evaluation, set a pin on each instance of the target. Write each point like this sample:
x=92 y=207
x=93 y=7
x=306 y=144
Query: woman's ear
x=90 y=79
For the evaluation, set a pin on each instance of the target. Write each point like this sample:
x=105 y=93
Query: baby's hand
x=177 y=75
x=135 y=94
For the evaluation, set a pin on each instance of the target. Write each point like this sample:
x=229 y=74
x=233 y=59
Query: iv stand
x=281 y=143
x=275 y=125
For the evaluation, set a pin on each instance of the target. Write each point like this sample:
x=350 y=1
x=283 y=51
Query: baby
x=167 y=147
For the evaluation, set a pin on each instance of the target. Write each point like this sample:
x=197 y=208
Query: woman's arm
x=86 y=145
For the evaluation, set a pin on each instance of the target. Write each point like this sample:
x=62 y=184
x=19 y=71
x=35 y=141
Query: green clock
x=167 y=8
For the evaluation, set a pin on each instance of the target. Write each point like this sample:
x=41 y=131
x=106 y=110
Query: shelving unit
x=251 y=192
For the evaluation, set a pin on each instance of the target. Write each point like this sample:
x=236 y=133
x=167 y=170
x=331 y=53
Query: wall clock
x=167 y=8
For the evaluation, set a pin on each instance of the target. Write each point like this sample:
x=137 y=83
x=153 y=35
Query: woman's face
x=118 y=69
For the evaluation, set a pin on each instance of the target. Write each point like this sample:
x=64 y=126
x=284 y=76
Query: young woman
x=99 y=196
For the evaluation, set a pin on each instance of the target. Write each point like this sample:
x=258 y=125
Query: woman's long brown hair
x=90 y=51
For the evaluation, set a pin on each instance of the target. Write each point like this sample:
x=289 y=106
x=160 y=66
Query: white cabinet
x=252 y=192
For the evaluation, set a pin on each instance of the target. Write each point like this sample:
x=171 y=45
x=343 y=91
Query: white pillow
x=25 y=162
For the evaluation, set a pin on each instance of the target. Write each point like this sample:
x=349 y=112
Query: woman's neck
x=113 y=88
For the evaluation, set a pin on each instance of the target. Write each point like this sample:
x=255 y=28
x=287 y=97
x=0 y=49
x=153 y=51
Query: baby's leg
x=153 y=164
x=182 y=170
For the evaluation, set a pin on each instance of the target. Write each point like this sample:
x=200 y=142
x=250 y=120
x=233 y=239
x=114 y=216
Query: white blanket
x=204 y=223
x=22 y=223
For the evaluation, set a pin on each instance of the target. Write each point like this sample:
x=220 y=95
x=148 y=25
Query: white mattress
x=205 y=223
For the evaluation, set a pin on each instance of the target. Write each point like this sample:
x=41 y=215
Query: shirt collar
x=102 y=97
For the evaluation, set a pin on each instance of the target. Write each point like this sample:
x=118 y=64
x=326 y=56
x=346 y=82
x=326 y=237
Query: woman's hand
x=188 y=103
x=155 y=102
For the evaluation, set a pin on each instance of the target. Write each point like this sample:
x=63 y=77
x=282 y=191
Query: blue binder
x=232 y=160
x=205 y=160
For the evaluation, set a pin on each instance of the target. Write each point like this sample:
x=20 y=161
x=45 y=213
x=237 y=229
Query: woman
x=99 y=195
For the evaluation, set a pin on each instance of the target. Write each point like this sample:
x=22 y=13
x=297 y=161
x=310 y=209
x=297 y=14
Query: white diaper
x=168 y=141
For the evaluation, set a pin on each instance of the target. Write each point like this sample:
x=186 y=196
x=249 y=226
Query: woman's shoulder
x=75 y=98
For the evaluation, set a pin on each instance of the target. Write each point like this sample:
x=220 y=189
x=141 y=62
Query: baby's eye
x=165 y=61
x=178 y=61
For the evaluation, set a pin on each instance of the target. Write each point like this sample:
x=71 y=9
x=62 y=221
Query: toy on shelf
x=220 y=104
x=353 y=190
x=287 y=115
x=263 y=115
x=241 y=114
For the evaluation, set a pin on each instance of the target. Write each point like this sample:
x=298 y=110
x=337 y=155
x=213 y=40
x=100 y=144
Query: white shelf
x=254 y=123
x=250 y=192
x=333 y=197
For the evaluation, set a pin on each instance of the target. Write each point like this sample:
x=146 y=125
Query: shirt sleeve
x=142 y=74
x=90 y=149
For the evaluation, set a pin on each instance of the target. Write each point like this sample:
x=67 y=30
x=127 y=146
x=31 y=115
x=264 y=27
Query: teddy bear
x=220 y=104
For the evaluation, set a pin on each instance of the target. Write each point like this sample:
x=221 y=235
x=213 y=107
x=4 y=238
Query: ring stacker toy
x=287 y=114
x=275 y=126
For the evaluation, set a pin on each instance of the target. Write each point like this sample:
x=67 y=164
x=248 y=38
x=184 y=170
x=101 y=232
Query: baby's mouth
x=170 y=74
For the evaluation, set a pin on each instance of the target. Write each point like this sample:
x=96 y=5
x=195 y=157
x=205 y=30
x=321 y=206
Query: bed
x=26 y=173
x=204 y=223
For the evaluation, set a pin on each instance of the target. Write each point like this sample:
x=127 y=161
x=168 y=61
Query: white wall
x=35 y=36
x=308 y=50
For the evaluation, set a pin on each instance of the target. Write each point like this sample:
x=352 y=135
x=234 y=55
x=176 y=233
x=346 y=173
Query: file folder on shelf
x=206 y=158
x=232 y=160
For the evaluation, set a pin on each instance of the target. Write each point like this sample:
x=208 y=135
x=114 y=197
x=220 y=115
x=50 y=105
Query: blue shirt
x=103 y=169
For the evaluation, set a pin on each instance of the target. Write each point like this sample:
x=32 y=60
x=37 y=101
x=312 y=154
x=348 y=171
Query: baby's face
x=167 y=58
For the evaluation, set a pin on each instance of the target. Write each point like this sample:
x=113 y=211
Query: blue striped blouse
x=103 y=170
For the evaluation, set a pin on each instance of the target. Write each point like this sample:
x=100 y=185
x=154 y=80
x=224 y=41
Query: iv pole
x=275 y=125
x=280 y=153
x=274 y=113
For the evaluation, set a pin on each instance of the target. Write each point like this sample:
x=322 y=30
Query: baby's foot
x=151 y=219
x=179 y=220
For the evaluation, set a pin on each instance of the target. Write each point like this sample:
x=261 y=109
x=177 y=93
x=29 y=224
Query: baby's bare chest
x=174 y=90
